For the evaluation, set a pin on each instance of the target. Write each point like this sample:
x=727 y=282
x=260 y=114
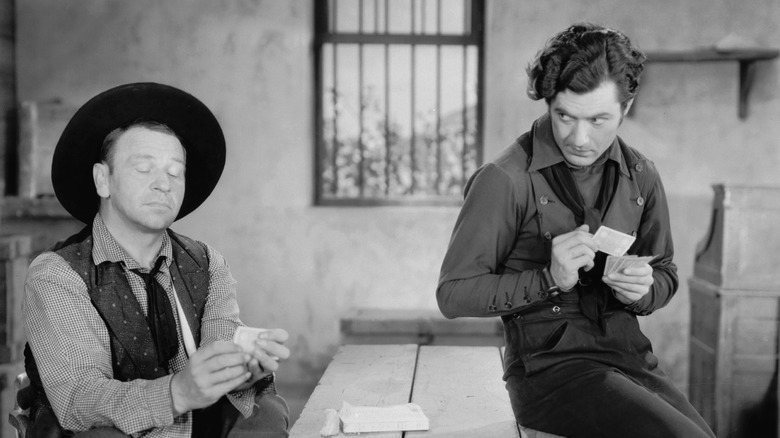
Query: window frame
x=322 y=37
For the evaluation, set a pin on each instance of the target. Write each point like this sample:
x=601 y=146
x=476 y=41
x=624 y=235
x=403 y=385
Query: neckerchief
x=160 y=317
x=593 y=299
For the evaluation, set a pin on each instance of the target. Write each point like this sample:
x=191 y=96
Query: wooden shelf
x=746 y=58
x=709 y=55
x=27 y=208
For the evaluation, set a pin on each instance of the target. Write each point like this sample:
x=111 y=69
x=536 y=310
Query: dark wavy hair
x=581 y=58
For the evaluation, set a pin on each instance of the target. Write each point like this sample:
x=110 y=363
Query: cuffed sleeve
x=472 y=280
x=221 y=318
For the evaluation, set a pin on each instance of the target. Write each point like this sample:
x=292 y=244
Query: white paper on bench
x=382 y=419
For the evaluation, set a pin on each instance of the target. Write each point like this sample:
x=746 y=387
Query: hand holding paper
x=266 y=346
x=629 y=286
x=571 y=252
x=616 y=244
x=245 y=337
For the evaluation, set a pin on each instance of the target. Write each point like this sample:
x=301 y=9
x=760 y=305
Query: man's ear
x=628 y=107
x=100 y=176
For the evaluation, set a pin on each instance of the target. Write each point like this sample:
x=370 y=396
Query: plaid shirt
x=72 y=347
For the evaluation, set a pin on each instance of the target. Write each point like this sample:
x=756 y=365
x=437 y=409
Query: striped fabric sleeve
x=221 y=318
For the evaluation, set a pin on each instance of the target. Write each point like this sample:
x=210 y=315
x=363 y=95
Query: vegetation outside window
x=398 y=106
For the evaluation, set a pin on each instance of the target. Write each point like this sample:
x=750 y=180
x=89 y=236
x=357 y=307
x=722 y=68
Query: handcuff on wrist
x=552 y=289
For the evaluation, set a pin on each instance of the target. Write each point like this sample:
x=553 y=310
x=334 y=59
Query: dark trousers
x=603 y=402
x=572 y=376
x=592 y=400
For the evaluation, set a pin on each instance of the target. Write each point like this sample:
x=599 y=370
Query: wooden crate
x=735 y=314
x=40 y=127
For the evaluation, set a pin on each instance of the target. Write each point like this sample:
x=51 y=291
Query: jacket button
x=639 y=167
x=542 y=294
x=633 y=233
x=527 y=299
x=492 y=308
x=640 y=201
x=543 y=200
x=548 y=236
x=508 y=304
x=556 y=310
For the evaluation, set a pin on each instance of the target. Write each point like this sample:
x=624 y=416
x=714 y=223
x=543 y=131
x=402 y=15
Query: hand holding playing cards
x=630 y=284
x=570 y=252
x=213 y=370
x=629 y=276
x=266 y=346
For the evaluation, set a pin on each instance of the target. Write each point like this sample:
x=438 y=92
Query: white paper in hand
x=245 y=337
x=613 y=242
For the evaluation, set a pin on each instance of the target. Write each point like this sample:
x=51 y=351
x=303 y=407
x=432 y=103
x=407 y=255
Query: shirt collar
x=106 y=249
x=547 y=153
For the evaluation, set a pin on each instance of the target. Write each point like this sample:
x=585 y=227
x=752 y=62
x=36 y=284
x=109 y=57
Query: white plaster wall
x=298 y=267
x=301 y=267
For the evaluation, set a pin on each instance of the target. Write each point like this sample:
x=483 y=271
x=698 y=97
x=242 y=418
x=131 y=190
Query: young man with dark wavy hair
x=523 y=249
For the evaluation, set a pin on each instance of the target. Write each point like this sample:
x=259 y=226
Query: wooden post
x=15 y=251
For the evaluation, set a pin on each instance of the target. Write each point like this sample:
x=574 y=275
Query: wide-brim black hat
x=79 y=145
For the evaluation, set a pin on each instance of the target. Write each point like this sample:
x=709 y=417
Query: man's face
x=142 y=187
x=585 y=125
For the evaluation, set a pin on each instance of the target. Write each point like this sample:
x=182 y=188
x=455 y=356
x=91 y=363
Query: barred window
x=398 y=105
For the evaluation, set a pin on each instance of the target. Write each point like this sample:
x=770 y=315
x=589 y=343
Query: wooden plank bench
x=458 y=387
x=418 y=326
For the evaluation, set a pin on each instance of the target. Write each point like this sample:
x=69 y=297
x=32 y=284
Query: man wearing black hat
x=130 y=324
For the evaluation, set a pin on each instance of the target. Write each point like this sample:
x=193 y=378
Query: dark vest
x=132 y=351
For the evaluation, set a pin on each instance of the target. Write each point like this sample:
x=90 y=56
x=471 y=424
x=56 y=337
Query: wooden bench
x=418 y=326
x=458 y=387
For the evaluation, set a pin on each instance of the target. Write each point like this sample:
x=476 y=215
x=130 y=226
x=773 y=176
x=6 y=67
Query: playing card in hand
x=617 y=264
x=245 y=337
x=612 y=242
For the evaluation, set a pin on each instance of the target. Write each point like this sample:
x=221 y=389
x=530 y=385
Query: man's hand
x=212 y=372
x=570 y=252
x=630 y=284
x=269 y=350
